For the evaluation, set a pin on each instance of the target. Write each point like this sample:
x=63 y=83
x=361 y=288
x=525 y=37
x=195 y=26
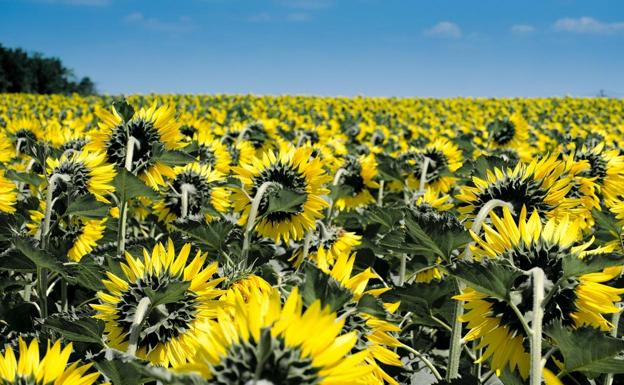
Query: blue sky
x=330 y=47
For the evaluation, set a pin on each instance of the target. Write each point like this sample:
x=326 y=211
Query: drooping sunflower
x=87 y=172
x=241 y=153
x=88 y=234
x=292 y=170
x=154 y=130
x=509 y=132
x=22 y=130
x=8 y=194
x=442 y=158
x=29 y=368
x=541 y=185
x=357 y=174
x=203 y=190
x=211 y=152
x=170 y=332
x=294 y=353
x=528 y=243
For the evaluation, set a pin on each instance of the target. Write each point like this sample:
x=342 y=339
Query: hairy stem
x=253 y=214
x=424 y=359
x=614 y=333
x=123 y=209
x=135 y=329
x=185 y=191
x=423 y=175
x=536 y=326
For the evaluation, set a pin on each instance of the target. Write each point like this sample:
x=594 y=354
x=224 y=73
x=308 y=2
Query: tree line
x=34 y=73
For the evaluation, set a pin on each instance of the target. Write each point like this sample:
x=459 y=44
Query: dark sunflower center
x=283 y=176
x=234 y=154
x=516 y=191
x=148 y=143
x=74 y=144
x=207 y=156
x=437 y=163
x=502 y=131
x=188 y=130
x=355 y=322
x=597 y=165
x=256 y=134
x=19 y=380
x=352 y=176
x=199 y=197
x=78 y=178
x=310 y=136
x=162 y=323
x=268 y=361
x=27 y=134
x=433 y=221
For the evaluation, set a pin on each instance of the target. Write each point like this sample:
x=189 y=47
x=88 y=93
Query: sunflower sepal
x=488 y=277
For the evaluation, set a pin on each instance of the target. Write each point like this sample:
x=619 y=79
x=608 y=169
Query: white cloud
x=522 y=29
x=446 y=29
x=588 y=25
x=88 y=3
x=182 y=24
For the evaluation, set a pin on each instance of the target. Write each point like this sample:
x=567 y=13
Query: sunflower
x=376 y=334
x=8 y=194
x=292 y=170
x=170 y=332
x=443 y=157
x=28 y=368
x=509 y=132
x=204 y=190
x=528 y=243
x=212 y=152
x=88 y=172
x=91 y=232
x=154 y=130
x=23 y=130
x=241 y=153
x=606 y=167
x=326 y=244
x=265 y=342
x=357 y=174
x=541 y=185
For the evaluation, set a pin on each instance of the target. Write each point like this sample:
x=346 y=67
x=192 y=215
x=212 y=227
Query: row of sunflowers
x=179 y=239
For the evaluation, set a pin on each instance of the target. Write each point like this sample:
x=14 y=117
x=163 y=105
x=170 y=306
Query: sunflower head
x=266 y=342
x=289 y=170
x=169 y=332
x=357 y=175
x=27 y=367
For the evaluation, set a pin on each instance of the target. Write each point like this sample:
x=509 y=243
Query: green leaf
x=591 y=263
x=87 y=274
x=320 y=286
x=588 y=350
x=372 y=306
x=489 y=277
x=285 y=201
x=340 y=191
x=211 y=236
x=508 y=377
x=24 y=177
x=425 y=301
x=87 y=207
x=387 y=217
x=417 y=233
x=175 y=158
x=128 y=186
x=607 y=227
x=86 y=329
x=171 y=293
x=123 y=108
x=39 y=257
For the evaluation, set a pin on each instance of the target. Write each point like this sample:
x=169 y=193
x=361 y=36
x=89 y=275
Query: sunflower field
x=242 y=240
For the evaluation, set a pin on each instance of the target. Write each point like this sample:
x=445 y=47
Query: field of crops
x=241 y=240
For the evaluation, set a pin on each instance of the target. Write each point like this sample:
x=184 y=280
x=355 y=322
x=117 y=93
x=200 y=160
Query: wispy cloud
x=588 y=25
x=182 y=24
x=444 y=29
x=86 y=3
x=298 y=16
x=522 y=29
x=262 y=17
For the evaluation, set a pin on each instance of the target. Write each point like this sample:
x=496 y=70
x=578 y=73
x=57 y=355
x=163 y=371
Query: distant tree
x=21 y=72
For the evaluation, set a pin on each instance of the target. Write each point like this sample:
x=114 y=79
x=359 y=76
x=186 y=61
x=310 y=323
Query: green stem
x=536 y=325
x=64 y=301
x=402 y=269
x=185 y=191
x=123 y=204
x=380 y=193
x=135 y=329
x=423 y=175
x=253 y=213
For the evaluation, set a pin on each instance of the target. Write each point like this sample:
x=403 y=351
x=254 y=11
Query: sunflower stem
x=253 y=213
x=185 y=191
x=330 y=210
x=615 y=320
x=380 y=193
x=424 y=359
x=306 y=245
x=423 y=175
x=135 y=329
x=42 y=274
x=481 y=217
x=402 y=269
x=536 y=325
x=123 y=204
